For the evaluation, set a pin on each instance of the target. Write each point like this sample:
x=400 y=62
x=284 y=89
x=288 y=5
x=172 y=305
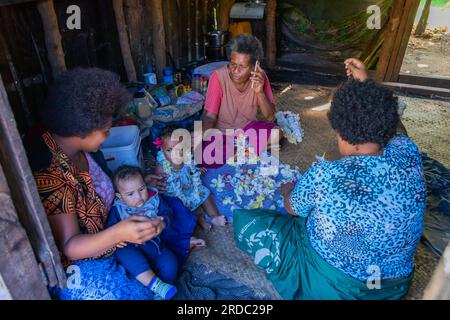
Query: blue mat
x=437 y=219
x=198 y=283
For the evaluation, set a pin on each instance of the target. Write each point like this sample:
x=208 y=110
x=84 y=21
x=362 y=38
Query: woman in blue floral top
x=355 y=223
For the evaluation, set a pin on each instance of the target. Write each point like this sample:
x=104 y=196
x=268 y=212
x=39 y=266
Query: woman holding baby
x=77 y=192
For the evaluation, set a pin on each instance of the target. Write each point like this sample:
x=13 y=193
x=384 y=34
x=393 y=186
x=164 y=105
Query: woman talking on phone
x=240 y=89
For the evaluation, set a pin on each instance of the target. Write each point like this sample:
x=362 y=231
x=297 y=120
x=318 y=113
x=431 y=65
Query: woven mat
x=221 y=255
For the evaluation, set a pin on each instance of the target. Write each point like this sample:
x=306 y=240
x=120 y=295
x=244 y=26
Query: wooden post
x=271 y=33
x=20 y=277
x=20 y=274
x=224 y=14
x=55 y=52
x=26 y=199
x=396 y=39
x=158 y=35
x=423 y=21
x=124 y=41
x=172 y=35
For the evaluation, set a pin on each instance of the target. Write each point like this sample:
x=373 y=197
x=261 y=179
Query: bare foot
x=196 y=243
x=219 y=221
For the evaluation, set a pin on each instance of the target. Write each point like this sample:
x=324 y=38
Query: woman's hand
x=138 y=229
x=355 y=68
x=157 y=181
x=257 y=79
x=121 y=245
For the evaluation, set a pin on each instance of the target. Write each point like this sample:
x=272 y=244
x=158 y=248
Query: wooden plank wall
x=20 y=277
x=25 y=196
x=23 y=60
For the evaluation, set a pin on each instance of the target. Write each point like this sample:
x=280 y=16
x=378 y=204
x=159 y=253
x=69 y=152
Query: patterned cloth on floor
x=437 y=218
x=225 y=207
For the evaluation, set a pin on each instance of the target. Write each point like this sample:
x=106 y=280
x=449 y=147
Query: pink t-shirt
x=102 y=183
x=214 y=94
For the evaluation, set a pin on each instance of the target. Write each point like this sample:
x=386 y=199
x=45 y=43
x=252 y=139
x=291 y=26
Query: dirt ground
x=428 y=55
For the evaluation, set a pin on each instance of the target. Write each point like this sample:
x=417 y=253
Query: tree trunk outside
x=422 y=25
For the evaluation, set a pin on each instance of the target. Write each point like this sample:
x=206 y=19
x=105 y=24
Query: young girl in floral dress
x=183 y=181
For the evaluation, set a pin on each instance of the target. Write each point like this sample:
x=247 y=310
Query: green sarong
x=280 y=245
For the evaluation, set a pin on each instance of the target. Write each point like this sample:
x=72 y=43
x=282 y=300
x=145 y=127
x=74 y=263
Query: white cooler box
x=123 y=147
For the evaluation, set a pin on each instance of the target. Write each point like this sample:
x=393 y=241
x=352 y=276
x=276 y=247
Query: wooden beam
x=172 y=33
x=271 y=33
x=20 y=276
x=430 y=81
x=396 y=39
x=224 y=14
x=158 y=35
x=136 y=32
x=55 y=52
x=11 y=2
x=405 y=31
x=25 y=195
x=124 y=41
x=420 y=90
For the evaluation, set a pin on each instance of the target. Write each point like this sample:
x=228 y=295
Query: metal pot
x=217 y=38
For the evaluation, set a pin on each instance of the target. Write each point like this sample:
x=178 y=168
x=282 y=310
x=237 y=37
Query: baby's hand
x=158 y=222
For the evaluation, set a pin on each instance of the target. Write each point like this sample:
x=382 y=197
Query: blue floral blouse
x=365 y=213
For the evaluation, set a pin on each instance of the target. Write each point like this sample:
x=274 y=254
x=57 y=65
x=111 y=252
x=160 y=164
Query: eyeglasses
x=238 y=67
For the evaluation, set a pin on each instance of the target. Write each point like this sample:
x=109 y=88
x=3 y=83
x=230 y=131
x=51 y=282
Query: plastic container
x=196 y=82
x=150 y=75
x=123 y=147
x=143 y=107
x=161 y=97
x=204 y=86
x=168 y=75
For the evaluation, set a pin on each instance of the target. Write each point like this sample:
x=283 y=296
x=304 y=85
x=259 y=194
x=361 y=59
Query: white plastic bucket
x=123 y=147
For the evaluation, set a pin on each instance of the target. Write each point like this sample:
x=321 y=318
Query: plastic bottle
x=143 y=108
x=168 y=75
x=196 y=83
x=204 y=85
x=150 y=76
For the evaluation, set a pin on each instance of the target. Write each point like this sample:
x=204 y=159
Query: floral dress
x=184 y=184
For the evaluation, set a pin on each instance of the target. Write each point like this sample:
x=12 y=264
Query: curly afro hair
x=363 y=112
x=82 y=100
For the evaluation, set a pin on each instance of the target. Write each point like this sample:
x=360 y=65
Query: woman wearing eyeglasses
x=238 y=90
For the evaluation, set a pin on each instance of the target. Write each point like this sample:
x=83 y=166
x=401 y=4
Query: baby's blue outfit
x=153 y=254
x=181 y=181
